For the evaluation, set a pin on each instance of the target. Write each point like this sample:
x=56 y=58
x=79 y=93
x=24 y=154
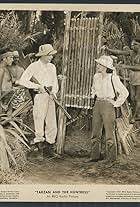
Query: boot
x=46 y=149
x=40 y=151
x=33 y=147
x=49 y=150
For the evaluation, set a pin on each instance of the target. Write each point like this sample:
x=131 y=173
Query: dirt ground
x=71 y=168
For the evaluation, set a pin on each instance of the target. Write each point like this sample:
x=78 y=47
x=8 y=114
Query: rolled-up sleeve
x=122 y=91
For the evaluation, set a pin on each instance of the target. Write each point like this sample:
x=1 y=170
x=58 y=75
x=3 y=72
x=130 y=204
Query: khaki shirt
x=102 y=88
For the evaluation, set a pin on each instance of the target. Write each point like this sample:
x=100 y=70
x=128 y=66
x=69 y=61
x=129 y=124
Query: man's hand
x=41 y=89
x=114 y=103
x=53 y=94
x=104 y=47
x=111 y=101
x=61 y=77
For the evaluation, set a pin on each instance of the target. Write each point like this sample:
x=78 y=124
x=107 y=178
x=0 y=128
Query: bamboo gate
x=81 y=64
x=82 y=42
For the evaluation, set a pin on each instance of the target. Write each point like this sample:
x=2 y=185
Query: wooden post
x=100 y=31
x=62 y=118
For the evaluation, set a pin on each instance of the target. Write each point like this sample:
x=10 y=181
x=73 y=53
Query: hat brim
x=97 y=61
x=45 y=54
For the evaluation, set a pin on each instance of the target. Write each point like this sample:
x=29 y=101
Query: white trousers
x=44 y=115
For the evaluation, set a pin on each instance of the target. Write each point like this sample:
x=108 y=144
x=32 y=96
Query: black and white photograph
x=69 y=97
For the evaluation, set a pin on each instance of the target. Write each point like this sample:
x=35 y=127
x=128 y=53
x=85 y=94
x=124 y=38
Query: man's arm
x=1 y=80
x=121 y=89
x=131 y=67
x=118 y=52
x=25 y=79
x=19 y=73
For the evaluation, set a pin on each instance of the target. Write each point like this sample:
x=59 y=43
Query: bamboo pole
x=83 y=103
x=62 y=118
x=90 y=69
x=80 y=59
x=68 y=81
x=72 y=59
x=89 y=64
x=75 y=63
x=86 y=43
x=68 y=93
x=87 y=69
x=72 y=66
x=94 y=50
x=83 y=61
x=92 y=61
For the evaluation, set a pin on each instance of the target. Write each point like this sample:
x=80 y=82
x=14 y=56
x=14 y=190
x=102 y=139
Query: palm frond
x=12 y=132
x=10 y=153
x=4 y=164
x=24 y=125
x=18 y=129
x=8 y=149
x=21 y=109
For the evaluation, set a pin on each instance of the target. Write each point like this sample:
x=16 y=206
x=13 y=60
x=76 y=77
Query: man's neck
x=104 y=74
x=44 y=62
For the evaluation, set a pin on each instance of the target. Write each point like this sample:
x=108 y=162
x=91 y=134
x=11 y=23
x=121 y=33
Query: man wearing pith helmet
x=105 y=86
x=44 y=113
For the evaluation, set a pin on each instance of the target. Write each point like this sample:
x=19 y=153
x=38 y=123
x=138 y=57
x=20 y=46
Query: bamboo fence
x=81 y=65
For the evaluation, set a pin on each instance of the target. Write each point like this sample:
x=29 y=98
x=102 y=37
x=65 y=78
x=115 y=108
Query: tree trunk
x=62 y=118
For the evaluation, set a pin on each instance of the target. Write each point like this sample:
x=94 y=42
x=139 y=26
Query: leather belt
x=104 y=99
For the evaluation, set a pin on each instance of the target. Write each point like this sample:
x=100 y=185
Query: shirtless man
x=6 y=59
x=16 y=72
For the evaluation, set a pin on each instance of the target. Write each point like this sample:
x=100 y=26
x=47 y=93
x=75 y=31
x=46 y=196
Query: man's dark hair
x=108 y=70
